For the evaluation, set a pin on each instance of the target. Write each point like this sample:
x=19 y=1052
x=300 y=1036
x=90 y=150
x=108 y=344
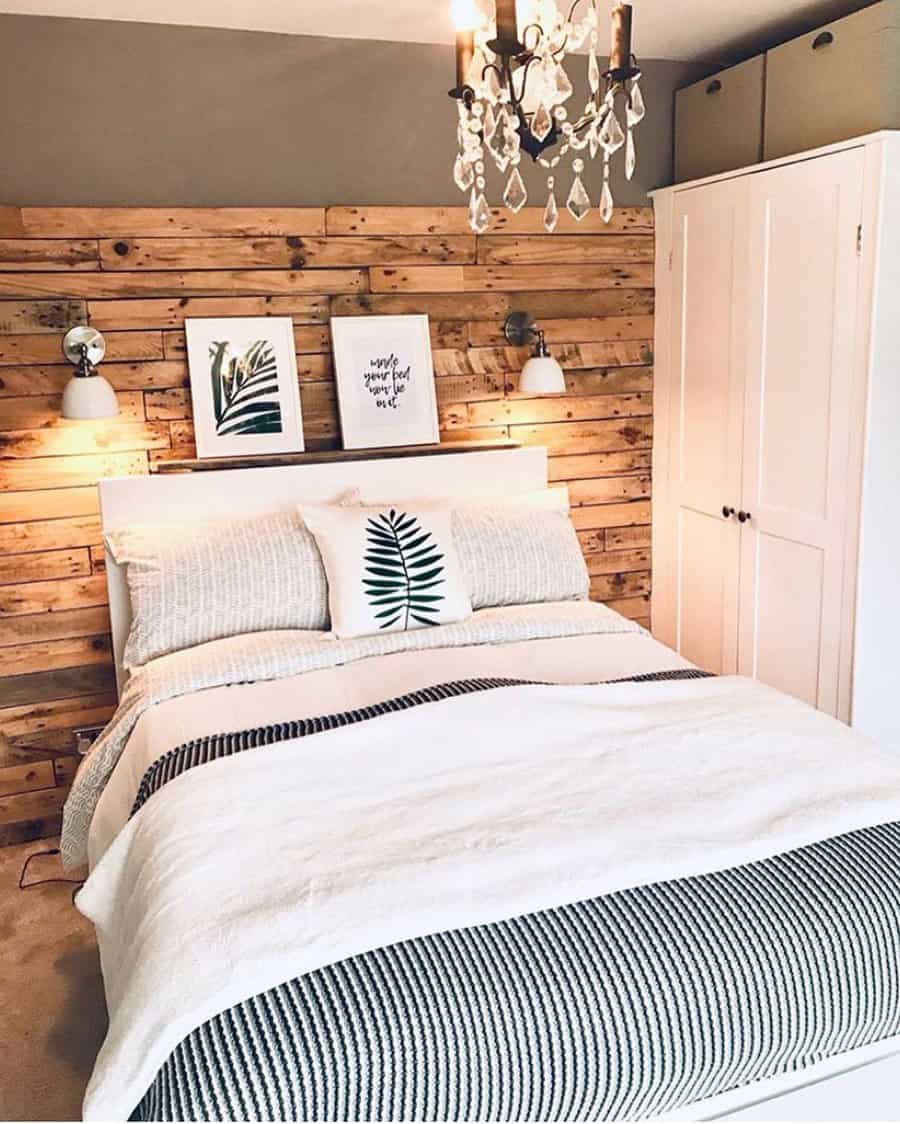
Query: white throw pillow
x=389 y=568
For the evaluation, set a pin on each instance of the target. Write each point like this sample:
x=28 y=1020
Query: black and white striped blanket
x=622 y=1007
x=619 y=1006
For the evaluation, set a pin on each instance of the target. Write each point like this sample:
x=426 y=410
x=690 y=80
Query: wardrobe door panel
x=801 y=298
x=705 y=403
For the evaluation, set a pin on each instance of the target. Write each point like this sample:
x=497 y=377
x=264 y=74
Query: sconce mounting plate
x=518 y=329
x=82 y=336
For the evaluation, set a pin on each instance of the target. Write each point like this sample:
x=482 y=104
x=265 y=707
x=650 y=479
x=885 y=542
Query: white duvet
x=251 y=870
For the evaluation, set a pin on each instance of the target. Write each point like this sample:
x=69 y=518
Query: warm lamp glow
x=465 y=15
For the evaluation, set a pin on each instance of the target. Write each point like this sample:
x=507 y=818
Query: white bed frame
x=196 y=497
x=863 y=1084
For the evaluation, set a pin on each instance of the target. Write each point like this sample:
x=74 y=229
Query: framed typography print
x=246 y=397
x=385 y=381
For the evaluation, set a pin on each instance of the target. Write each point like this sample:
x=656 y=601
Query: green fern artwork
x=245 y=389
x=404 y=568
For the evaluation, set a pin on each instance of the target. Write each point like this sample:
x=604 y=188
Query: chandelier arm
x=540 y=35
x=518 y=102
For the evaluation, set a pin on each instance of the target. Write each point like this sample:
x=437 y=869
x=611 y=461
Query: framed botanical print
x=244 y=386
x=385 y=381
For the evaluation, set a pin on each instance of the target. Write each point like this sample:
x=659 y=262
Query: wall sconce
x=87 y=394
x=541 y=373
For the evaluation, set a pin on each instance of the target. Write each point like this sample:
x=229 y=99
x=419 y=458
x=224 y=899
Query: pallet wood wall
x=136 y=273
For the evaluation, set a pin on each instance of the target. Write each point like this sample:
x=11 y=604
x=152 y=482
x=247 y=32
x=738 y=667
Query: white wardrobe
x=776 y=479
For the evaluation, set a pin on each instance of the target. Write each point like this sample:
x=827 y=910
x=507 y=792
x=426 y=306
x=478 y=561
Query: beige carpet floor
x=52 y=1014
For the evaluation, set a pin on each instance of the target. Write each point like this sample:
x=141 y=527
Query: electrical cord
x=23 y=885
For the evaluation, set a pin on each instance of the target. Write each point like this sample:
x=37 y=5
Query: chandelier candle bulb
x=620 y=45
x=507 y=29
x=465 y=52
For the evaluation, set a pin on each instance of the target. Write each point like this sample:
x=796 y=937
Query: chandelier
x=512 y=91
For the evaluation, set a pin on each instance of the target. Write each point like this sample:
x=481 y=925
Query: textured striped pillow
x=190 y=584
x=520 y=554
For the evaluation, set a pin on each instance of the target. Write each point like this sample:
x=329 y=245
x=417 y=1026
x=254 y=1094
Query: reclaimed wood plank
x=51 y=378
x=292 y=252
x=194 y=283
x=586 y=436
x=72 y=440
x=50 y=534
x=17 y=350
x=496 y=306
x=315 y=339
x=64 y=683
x=530 y=220
x=454 y=220
x=32 y=815
x=533 y=411
x=605 y=587
x=48 y=254
x=54 y=502
x=68 y=713
x=563 y=249
x=485 y=278
x=618 y=561
x=171 y=312
x=610 y=489
x=15 y=779
x=36 y=474
x=43 y=411
x=52 y=597
x=635 y=608
x=170 y=222
x=570 y=356
x=51 y=655
x=591 y=466
x=609 y=380
x=611 y=515
x=625 y=538
x=44 y=565
x=486 y=333
x=50 y=627
x=54 y=316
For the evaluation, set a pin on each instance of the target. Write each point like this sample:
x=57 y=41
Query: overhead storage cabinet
x=838 y=82
x=719 y=122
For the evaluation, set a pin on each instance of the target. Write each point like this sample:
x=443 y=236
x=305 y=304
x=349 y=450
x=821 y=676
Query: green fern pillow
x=390 y=568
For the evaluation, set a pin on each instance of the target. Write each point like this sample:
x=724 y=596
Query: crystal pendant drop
x=635 y=110
x=578 y=204
x=593 y=72
x=606 y=199
x=611 y=136
x=541 y=123
x=562 y=87
x=463 y=174
x=630 y=158
x=489 y=124
x=551 y=211
x=515 y=195
x=479 y=212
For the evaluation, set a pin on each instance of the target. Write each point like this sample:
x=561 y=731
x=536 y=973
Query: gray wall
x=107 y=113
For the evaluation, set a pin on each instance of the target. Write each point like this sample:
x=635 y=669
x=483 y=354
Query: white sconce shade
x=87 y=394
x=542 y=375
x=87 y=397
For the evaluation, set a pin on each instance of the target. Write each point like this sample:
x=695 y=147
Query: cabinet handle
x=744 y=517
x=714 y=86
x=728 y=512
x=823 y=39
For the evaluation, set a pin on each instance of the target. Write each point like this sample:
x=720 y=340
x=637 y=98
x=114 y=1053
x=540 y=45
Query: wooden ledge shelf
x=214 y=464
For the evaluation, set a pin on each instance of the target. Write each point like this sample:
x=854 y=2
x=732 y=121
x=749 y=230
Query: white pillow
x=389 y=568
x=520 y=554
x=192 y=583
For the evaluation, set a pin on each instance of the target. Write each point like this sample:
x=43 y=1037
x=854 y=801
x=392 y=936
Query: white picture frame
x=385 y=381
x=261 y=419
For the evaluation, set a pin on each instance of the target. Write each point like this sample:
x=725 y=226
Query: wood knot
x=294 y=242
x=121 y=248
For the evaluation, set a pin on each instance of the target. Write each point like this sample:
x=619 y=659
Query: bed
x=531 y=865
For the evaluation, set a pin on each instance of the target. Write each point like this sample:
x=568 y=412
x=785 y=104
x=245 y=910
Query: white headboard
x=196 y=497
